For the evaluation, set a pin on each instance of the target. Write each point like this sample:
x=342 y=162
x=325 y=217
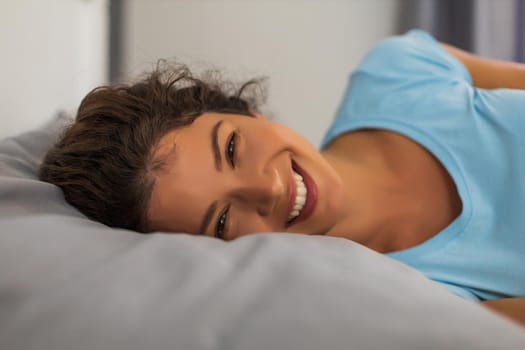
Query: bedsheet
x=67 y=282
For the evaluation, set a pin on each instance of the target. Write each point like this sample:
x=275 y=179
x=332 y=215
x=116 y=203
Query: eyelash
x=221 y=224
x=231 y=147
x=230 y=156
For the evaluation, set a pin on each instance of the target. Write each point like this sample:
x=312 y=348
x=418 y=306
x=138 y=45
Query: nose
x=262 y=192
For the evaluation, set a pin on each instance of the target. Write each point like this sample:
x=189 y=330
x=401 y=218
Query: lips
x=311 y=197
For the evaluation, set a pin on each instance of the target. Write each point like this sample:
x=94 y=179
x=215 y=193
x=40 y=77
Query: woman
x=423 y=162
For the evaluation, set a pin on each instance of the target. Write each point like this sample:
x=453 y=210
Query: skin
x=362 y=190
x=363 y=193
x=256 y=188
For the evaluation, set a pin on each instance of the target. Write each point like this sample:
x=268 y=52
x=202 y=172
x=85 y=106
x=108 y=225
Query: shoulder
x=413 y=53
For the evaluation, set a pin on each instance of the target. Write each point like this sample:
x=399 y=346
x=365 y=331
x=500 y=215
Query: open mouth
x=303 y=196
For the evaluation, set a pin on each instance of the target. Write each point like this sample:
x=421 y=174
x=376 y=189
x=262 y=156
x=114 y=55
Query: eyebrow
x=218 y=165
x=207 y=218
x=215 y=145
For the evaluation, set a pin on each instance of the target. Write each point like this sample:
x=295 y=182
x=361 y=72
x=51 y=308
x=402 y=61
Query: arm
x=489 y=73
x=513 y=308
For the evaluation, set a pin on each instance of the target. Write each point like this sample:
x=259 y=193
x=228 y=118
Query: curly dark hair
x=104 y=163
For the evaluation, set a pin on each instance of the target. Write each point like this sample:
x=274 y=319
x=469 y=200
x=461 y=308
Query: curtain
x=490 y=28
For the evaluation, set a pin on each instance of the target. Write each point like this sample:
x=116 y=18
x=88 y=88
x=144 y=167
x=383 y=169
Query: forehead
x=177 y=201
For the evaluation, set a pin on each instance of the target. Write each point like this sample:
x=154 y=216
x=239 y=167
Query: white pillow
x=69 y=283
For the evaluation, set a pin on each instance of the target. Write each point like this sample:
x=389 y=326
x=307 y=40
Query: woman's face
x=230 y=175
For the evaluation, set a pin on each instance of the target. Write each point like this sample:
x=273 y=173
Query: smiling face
x=228 y=175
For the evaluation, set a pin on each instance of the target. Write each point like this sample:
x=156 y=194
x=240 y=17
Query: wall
x=53 y=52
x=306 y=47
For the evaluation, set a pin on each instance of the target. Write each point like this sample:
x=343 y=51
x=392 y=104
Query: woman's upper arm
x=513 y=308
x=490 y=73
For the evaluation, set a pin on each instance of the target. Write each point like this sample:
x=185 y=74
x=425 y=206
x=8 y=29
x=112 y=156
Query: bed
x=70 y=283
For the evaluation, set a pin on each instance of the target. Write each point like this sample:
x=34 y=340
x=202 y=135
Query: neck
x=379 y=212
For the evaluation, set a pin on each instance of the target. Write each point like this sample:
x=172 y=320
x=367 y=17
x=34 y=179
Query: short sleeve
x=462 y=292
x=415 y=55
x=409 y=78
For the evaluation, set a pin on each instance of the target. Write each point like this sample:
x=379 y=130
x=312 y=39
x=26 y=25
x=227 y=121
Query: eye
x=230 y=148
x=222 y=221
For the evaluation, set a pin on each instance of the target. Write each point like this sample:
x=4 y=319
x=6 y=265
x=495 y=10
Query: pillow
x=70 y=283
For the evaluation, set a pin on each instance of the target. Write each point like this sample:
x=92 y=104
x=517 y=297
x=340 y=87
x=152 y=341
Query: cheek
x=249 y=223
x=287 y=134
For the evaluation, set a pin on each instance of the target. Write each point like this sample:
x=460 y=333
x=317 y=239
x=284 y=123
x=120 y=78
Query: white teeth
x=300 y=197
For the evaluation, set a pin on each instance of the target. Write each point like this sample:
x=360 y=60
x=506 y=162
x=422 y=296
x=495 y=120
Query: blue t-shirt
x=411 y=85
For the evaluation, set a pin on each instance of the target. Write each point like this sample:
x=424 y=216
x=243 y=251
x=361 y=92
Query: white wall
x=52 y=53
x=306 y=47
